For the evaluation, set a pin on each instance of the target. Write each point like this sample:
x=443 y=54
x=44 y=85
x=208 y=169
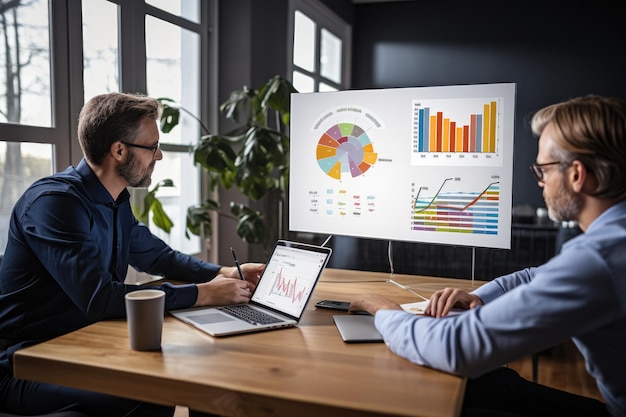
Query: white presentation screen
x=424 y=164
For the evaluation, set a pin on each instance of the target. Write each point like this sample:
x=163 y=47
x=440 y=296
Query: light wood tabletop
x=305 y=371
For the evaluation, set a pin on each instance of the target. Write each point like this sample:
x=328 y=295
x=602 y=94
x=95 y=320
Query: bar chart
x=455 y=130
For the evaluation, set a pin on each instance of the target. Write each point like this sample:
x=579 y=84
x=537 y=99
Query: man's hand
x=251 y=271
x=223 y=290
x=443 y=301
x=372 y=303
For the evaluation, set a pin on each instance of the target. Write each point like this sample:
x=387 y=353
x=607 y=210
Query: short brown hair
x=107 y=118
x=592 y=130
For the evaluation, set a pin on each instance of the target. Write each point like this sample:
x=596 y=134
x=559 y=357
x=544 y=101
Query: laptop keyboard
x=249 y=314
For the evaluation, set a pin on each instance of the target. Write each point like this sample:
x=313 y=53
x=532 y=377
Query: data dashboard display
x=423 y=164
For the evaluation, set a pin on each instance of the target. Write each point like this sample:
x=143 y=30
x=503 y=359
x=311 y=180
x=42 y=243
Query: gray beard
x=132 y=173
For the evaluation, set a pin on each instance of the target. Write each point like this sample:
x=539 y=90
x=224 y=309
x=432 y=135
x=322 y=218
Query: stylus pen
x=237 y=265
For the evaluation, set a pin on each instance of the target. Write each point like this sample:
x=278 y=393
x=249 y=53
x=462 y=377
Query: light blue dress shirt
x=580 y=294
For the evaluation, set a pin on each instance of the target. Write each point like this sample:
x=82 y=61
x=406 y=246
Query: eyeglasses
x=537 y=169
x=152 y=148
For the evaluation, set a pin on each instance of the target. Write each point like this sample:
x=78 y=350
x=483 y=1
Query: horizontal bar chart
x=458 y=211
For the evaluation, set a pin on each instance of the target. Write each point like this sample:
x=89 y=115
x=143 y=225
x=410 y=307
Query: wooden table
x=302 y=371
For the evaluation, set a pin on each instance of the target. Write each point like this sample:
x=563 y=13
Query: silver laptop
x=279 y=299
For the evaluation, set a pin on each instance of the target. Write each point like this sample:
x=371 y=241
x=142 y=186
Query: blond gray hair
x=107 y=118
x=592 y=130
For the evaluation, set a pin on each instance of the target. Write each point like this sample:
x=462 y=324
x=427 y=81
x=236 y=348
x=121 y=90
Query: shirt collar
x=98 y=192
x=614 y=212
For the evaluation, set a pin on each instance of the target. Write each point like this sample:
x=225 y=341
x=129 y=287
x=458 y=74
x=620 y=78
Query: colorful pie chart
x=343 y=148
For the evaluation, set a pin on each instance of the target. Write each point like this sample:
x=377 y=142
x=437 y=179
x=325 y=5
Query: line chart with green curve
x=457 y=211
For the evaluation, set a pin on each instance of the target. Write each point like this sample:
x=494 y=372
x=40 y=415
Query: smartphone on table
x=333 y=305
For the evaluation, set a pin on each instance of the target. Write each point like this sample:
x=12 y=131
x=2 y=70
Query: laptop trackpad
x=210 y=318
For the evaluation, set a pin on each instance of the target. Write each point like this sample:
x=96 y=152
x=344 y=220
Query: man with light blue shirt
x=580 y=294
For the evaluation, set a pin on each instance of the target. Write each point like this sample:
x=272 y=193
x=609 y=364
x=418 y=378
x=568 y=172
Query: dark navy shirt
x=68 y=250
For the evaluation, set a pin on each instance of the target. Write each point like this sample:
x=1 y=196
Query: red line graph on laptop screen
x=289 y=279
x=285 y=287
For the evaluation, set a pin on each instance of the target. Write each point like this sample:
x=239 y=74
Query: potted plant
x=253 y=158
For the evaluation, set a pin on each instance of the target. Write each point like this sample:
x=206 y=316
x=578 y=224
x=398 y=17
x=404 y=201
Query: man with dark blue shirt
x=71 y=239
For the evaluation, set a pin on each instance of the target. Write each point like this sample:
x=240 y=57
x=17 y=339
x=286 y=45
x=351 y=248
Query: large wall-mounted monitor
x=424 y=164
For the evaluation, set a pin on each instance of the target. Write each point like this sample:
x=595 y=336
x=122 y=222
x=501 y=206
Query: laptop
x=279 y=299
x=356 y=328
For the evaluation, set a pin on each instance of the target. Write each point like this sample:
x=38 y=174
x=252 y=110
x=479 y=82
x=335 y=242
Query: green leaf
x=159 y=217
x=238 y=105
x=147 y=206
x=152 y=204
x=251 y=225
x=199 y=221
x=215 y=154
x=170 y=116
x=163 y=183
x=276 y=93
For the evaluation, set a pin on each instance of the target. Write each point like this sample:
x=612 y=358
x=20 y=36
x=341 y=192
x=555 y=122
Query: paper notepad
x=419 y=306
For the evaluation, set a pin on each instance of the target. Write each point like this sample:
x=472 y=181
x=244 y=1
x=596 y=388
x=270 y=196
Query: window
x=321 y=45
x=100 y=52
x=21 y=163
x=25 y=54
x=25 y=103
x=157 y=47
x=173 y=71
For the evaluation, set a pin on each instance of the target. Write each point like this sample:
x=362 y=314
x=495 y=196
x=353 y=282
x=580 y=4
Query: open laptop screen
x=290 y=277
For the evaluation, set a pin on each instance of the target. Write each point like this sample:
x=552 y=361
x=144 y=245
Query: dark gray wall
x=551 y=55
x=252 y=45
x=342 y=8
x=252 y=48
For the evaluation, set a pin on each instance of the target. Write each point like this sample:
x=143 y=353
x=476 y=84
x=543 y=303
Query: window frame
x=326 y=19
x=66 y=76
x=59 y=134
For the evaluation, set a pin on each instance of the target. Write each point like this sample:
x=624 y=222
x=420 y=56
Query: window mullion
x=60 y=84
x=318 y=55
x=76 y=90
x=132 y=47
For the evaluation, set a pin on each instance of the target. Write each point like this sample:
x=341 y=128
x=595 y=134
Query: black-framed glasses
x=537 y=169
x=152 y=148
